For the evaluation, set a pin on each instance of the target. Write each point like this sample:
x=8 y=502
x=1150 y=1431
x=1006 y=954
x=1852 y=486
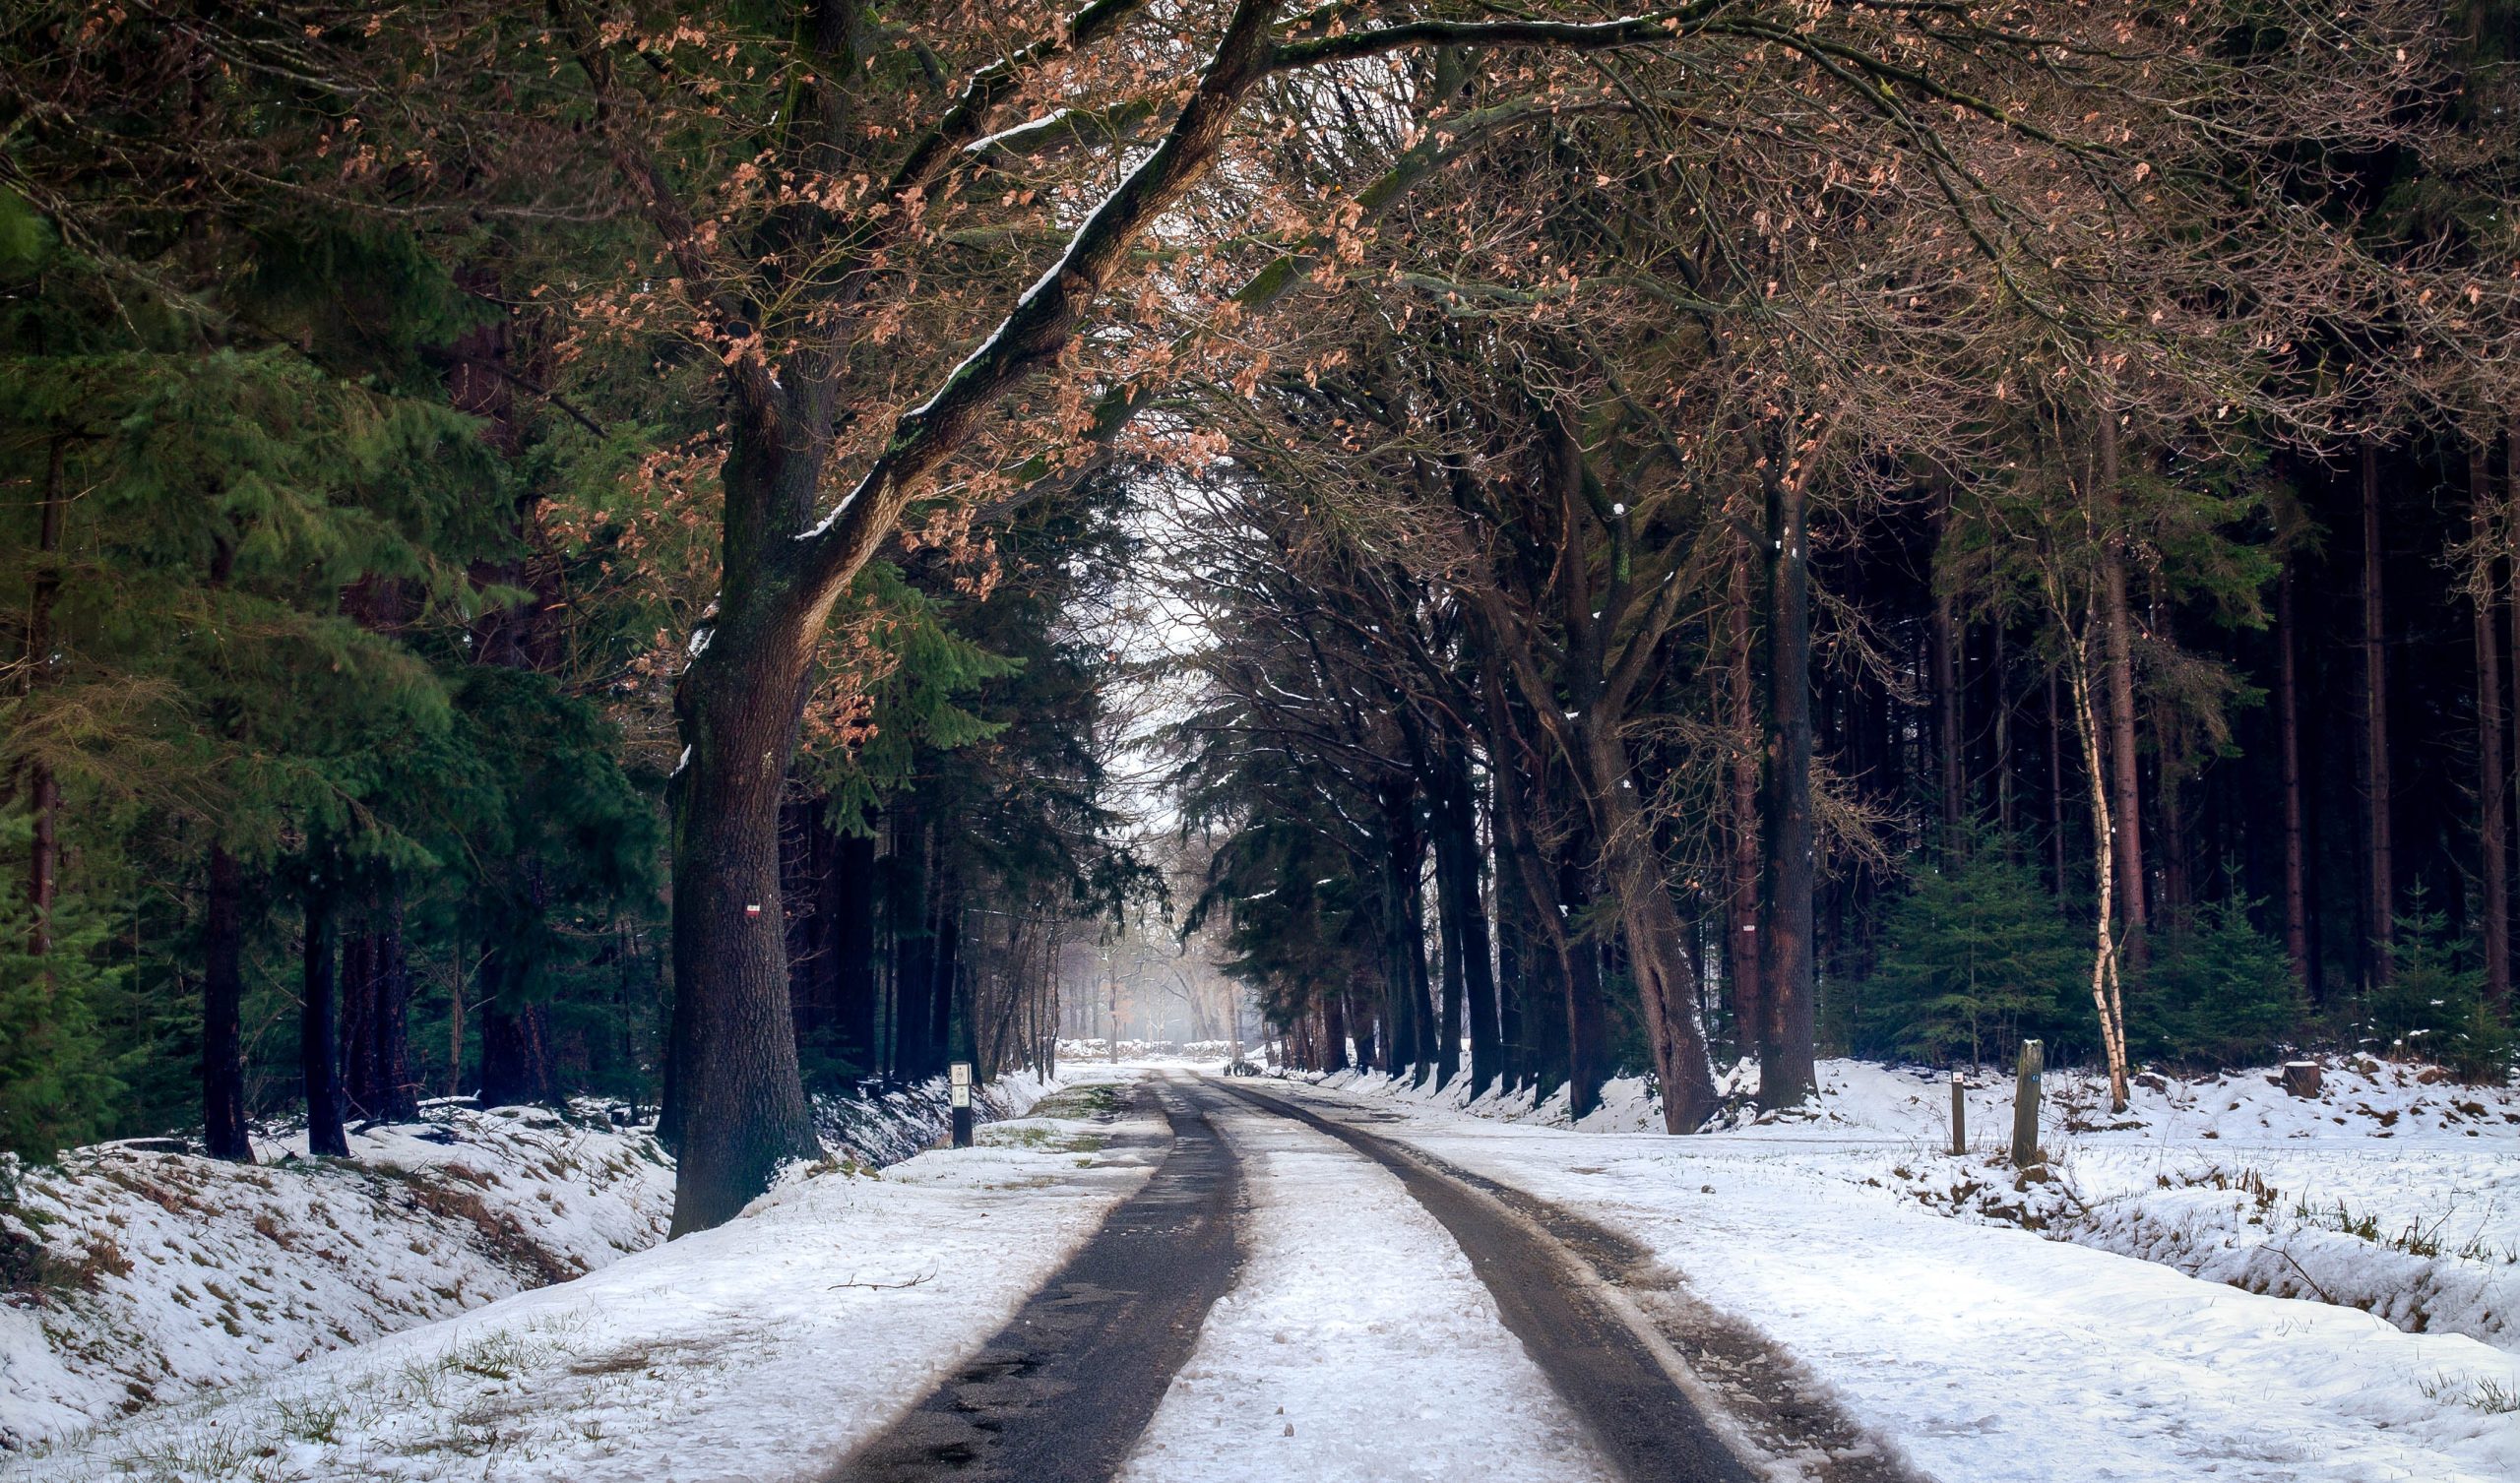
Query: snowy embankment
x=1995 y=1351
x=765 y=1348
x=151 y=1274
x=162 y=1273
x=2394 y=1191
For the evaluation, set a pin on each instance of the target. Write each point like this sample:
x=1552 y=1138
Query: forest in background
x=1752 y=532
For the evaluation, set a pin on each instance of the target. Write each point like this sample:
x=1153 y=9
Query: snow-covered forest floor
x=1995 y=1325
x=148 y=1273
x=2393 y=1191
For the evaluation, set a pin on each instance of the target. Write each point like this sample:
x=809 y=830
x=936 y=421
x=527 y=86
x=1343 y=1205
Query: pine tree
x=2217 y=993
x=2430 y=1005
x=1976 y=958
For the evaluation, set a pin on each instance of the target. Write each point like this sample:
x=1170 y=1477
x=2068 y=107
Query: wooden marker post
x=1959 y=1115
x=960 y=1097
x=2025 y=1105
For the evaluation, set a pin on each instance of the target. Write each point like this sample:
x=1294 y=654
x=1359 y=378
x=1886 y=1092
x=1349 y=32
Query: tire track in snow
x=1059 y=1394
x=1359 y=1344
x=1558 y=1279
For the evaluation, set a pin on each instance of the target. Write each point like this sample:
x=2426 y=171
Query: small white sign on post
x=960 y=1098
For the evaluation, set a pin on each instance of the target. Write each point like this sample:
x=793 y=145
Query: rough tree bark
x=44 y=789
x=1788 y=1075
x=376 y=992
x=317 y=1029
x=1456 y=879
x=2288 y=725
x=1742 y=795
x=2493 y=881
x=223 y=994
x=2380 y=861
x=1946 y=673
x=1588 y=1065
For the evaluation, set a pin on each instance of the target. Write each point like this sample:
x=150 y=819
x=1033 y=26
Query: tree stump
x=2301 y=1078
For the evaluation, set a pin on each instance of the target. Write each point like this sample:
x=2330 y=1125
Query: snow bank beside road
x=1994 y=1354
x=2394 y=1191
x=169 y=1273
x=763 y=1349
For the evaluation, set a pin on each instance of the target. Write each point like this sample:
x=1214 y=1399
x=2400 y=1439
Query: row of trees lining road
x=1571 y=499
x=442 y=434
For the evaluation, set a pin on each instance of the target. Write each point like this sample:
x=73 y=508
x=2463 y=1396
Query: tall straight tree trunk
x=1334 y=1032
x=1419 y=978
x=914 y=945
x=2288 y=727
x=1788 y=1075
x=1587 y=1018
x=1456 y=878
x=223 y=994
x=516 y=1040
x=43 y=790
x=945 y=970
x=1513 y=979
x=1413 y=1031
x=376 y=988
x=1399 y=1049
x=741 y=1090
x=2381 y=872
x=1448 y=936
x=805 y=888
x=1526 y=884
x=355 y=990
x=853 y=941
x=2055 y=789
x=2126 y=813
x=2000 y=682
x=2493 y=881
x=317 y=1029
x=1741 y=801
x=1945 y=671
x=2511 y=535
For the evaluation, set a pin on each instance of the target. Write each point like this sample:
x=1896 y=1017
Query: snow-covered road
x=1357 y=1345
x=1358 y=1339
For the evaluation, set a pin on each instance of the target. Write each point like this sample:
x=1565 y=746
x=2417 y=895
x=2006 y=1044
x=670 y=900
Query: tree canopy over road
x=711 y=556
